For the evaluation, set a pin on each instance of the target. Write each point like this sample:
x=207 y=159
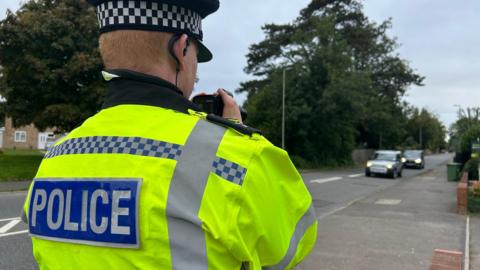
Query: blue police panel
x=102 y=212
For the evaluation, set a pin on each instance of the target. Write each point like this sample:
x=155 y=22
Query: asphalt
x=418 y=216
x=396 y=228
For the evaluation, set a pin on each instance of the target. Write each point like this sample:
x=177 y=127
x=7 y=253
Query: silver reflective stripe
x=305 y=222
x=187 y=239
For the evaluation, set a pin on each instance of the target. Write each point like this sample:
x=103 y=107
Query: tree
x=344 y=82
x=2 y=100
x=2 y=113
x=465 y=130
x=51 y=63
x=426 y=129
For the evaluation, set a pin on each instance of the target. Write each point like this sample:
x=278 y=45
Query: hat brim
x=204 y=54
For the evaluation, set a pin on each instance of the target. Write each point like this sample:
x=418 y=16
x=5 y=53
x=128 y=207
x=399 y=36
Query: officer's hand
x=230 y=107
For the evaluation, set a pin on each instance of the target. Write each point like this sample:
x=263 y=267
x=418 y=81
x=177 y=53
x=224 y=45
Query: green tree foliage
x=465 y=130
x=426 y=130
x=344 y=84
x=2 y=100
x=2 y=113
x=51 y=63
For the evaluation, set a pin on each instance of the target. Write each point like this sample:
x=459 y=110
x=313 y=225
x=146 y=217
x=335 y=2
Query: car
x=51 y=141
x=49 y=144
x=413 y=159
x=385 y=162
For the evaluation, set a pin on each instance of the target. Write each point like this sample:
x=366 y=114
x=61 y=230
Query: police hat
x=172 y=16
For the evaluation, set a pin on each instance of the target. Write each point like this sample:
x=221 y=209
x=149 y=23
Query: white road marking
x=388 y=201
x=355 y=175
x=466 y=264
x=9 y=225
x=13 y=233
x=326 y=180
x=8 y=219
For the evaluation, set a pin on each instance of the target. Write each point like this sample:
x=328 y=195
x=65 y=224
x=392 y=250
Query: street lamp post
x=283 y=111
x=420 y=135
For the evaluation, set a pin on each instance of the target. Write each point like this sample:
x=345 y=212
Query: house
x=25 y=137
x=2 y=129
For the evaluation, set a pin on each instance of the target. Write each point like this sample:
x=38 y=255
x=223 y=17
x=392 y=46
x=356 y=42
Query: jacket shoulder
x=241 y=128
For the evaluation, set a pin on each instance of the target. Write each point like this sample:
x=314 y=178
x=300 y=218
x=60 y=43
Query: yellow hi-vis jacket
x=150 y=183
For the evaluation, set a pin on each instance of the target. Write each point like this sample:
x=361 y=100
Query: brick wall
x=462 y=195
x=446 y=260
x=9 y=136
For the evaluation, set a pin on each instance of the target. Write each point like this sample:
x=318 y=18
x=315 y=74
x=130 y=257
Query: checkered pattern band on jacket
x=229 y=170
x=150 y=15
x=116 y=145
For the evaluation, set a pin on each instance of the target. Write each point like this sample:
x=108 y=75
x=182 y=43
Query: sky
x=439 y=38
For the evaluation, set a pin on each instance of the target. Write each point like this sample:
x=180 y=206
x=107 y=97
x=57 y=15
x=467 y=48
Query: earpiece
x=172 y=42
x=186 y=47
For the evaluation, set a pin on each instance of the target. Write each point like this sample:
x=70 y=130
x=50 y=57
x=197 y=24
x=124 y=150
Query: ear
x=180 y=49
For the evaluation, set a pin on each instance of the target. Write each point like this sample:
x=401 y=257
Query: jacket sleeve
x=274 y=226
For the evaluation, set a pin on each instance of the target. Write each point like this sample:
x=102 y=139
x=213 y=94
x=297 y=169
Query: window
x=20 y=136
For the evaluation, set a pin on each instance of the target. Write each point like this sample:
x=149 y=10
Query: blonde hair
x=134 y=49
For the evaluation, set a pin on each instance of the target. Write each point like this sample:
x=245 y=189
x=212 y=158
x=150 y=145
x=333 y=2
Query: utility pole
x=420 y=135
x=283 y=111
x=380 y=141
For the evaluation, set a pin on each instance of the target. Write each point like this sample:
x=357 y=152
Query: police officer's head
x=157 y=37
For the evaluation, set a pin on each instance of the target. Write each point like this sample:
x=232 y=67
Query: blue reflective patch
x=116 y=145
x=101 y=212
x=229 y=170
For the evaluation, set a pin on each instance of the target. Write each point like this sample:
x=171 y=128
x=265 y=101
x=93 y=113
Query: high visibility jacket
x=150 y=183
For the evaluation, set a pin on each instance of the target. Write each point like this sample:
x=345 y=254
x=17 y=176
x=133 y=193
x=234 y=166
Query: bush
x=471 y=167
x=300 y=163
x=474 y=198
x=473 y=204
x=475 y=188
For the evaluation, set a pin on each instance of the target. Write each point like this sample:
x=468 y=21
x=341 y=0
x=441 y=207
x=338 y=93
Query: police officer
x=152 y=182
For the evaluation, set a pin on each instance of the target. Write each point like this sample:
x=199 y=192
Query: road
x=334 y=190
x=15 y=245
x=331 y=191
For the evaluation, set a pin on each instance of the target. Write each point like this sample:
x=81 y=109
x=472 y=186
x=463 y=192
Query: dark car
x=414 y=159
x=388 y=163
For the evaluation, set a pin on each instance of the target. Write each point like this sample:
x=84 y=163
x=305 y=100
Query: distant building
x=2 y=129
x=25 y=137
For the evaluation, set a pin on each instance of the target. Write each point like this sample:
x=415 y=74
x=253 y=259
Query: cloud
x=8 y=4
x=438 y=37
x=230 y=32
x=441 y=41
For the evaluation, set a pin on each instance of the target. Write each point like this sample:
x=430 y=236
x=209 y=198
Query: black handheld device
x=214 y=104
x=210 y=104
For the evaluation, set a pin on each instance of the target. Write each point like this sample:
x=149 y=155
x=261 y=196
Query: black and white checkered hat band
x=150 y=15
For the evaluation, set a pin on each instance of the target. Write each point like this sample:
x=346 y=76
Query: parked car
x=52 y=141
x=387 y=163
x=49 y=144
x=414 y=159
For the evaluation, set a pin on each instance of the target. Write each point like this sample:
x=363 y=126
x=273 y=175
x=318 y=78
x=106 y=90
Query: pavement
x=14 y=186
x=395 y=228
x=475 y=242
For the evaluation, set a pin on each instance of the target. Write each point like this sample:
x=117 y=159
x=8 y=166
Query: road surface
x=331 y=192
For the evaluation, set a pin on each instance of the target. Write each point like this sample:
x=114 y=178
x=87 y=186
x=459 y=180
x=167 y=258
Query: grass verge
x=18 y=165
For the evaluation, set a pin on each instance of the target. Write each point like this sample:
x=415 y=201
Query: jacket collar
x=130 y=87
